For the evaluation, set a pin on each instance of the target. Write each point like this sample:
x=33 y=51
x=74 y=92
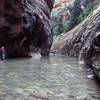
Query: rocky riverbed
x=49 y=78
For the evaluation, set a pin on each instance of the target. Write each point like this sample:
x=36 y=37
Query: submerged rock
x=24 y=26
x=35 y=93
x=82 y=98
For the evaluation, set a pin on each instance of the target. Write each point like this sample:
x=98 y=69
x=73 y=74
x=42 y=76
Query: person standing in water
x=2 y=53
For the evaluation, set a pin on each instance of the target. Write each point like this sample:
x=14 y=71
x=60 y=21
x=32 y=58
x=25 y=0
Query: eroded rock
x=24 y=26
x=83 y=41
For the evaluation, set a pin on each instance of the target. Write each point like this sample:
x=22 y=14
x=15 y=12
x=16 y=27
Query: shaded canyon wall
x=24 y=26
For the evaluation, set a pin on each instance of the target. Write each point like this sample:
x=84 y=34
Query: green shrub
x=77 y=15
x=57 y=36
x=73 y=19
x=60 y=26
x=90 y=7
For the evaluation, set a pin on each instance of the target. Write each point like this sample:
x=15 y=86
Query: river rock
x=82 y=98
x=24 y=26
x=36 y=93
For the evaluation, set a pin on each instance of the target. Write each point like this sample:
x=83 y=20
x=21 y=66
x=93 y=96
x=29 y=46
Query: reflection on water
x=60 y=75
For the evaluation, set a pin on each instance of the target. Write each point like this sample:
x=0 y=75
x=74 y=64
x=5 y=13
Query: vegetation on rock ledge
x=77 y=12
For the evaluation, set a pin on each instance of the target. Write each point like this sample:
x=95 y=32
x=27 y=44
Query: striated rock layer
x=24 y=26
x=83 y=41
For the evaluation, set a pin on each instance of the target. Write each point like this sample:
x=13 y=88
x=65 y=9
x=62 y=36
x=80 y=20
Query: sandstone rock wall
x=24 y=26
x=83 y=41
x=71 y=43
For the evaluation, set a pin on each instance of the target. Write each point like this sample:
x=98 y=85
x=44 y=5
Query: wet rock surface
x=96 y=66
x=24 y=26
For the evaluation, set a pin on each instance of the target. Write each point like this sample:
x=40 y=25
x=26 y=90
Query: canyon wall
x=24 y=26
x=83 y=41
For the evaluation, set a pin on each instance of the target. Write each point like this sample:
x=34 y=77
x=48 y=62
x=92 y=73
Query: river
x=46 y=78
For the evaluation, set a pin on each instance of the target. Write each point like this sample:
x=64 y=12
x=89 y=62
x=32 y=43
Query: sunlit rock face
x=85 y=35
x=83 y=41
x=24 y=26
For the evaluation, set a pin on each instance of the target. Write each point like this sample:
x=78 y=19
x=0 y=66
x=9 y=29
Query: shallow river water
x=50 y=78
